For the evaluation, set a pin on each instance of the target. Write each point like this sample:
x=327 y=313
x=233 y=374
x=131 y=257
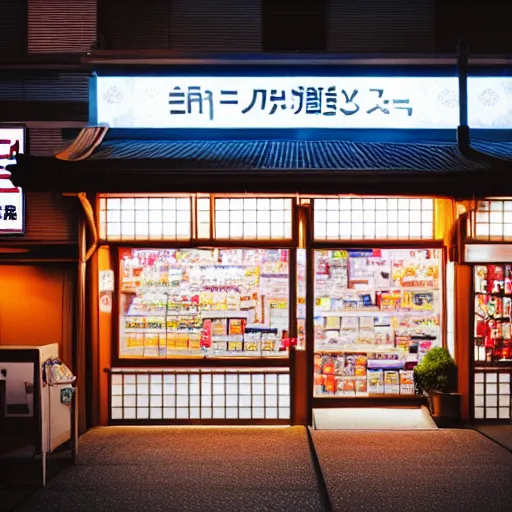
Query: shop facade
x=267 y=245
x=488 y=252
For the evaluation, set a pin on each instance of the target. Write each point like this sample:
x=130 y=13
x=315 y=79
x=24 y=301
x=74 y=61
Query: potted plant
x=436 y=379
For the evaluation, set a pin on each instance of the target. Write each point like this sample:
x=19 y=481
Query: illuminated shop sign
x=11 y=197
x=300 y=102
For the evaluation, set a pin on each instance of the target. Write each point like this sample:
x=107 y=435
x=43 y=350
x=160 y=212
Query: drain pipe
x=463 y=130
x=463 y=135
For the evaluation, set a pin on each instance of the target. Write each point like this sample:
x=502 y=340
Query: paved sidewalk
x=190 y=469
x=428 y=470
x=502 y=434
x=271 y=469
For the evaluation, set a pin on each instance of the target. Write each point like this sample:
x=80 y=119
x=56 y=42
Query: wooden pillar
x=463 y=334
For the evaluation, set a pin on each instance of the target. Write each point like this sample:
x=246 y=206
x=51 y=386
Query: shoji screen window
x=492 y=220
x=145 y=218
x=352 y=218
x=253 y=218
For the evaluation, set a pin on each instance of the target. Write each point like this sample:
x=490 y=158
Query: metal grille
x=373 y=218
x=253 y=219
x=380 y=26
x=202 y=394
x=493 y=394
x=61 y=26
x=222 y=25
x=492 y=220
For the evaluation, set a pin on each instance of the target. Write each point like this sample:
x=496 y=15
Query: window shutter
x=218 y=25
x=61 y=26
x=13 y=31
x=134 y=25
x=380 y=26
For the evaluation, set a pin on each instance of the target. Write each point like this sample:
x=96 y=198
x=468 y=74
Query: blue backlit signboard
x=300 y=102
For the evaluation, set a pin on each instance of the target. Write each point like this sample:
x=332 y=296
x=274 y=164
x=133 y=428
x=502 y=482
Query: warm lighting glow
x=203 y=394
x=145 y=218
x=353 y=218
x=492 y=220
x=259 y=218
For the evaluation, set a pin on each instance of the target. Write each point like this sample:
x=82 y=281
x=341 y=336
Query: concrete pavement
x=429 y=470
x=272 y=469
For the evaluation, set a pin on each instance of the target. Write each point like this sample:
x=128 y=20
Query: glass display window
x=377 y=312
x=492 y=313
x=203 y=302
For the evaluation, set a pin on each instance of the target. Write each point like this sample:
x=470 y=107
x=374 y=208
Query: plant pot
x=446 y=408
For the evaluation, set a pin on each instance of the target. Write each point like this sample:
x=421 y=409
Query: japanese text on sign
x=300 y=102
x=11 y=197
x=277 y=102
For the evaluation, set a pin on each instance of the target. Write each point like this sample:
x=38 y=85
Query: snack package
x=236 y=326
x=375 y=381
x=361 y=387
x=406 y=382
x=391 y=382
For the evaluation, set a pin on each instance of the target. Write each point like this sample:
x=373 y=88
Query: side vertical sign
x=12 y=142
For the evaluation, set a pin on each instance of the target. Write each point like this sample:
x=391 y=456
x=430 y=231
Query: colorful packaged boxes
x=406 y=382
x=375 y=382
x=391 y=382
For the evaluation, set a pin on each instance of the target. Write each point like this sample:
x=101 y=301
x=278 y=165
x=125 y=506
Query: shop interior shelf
x=375 y=312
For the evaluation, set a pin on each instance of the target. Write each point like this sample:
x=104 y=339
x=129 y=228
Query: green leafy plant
x=437 y=372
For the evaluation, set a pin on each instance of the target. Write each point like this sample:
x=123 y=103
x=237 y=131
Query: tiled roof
x=496 y=149
x=282 y=155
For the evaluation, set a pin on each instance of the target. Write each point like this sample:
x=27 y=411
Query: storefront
x=259 y=253
x=488 y=251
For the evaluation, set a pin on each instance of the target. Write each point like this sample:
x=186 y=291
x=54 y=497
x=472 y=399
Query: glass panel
x=204 y=302
x=377 y=313
x=492 y=318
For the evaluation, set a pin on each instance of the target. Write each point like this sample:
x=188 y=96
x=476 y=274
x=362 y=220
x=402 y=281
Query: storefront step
x=372 y=418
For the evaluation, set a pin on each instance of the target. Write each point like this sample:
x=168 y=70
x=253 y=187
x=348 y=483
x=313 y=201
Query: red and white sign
x=12 y=142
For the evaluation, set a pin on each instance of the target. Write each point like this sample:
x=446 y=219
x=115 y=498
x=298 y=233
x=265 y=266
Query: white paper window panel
x=479 y=413
x=492 y=401
x=491 y=389
x=505 y=377
x=479 y=377
x=142 y=413
x=504 y=389
x=493 y=220
x=491 y=413
x=155 y=413
x=504 y=401
x=253 y=219
x=504 y=412
x=146 y=218
x=117 y=413
x=492 y=377
x=371 y=218
x=479 y=389
x=156 y=396
x=479 y=401
x=130 y=413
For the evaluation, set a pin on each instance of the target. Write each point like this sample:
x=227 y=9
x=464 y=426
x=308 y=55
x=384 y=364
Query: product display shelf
x=385 y=348
x=366 y=312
